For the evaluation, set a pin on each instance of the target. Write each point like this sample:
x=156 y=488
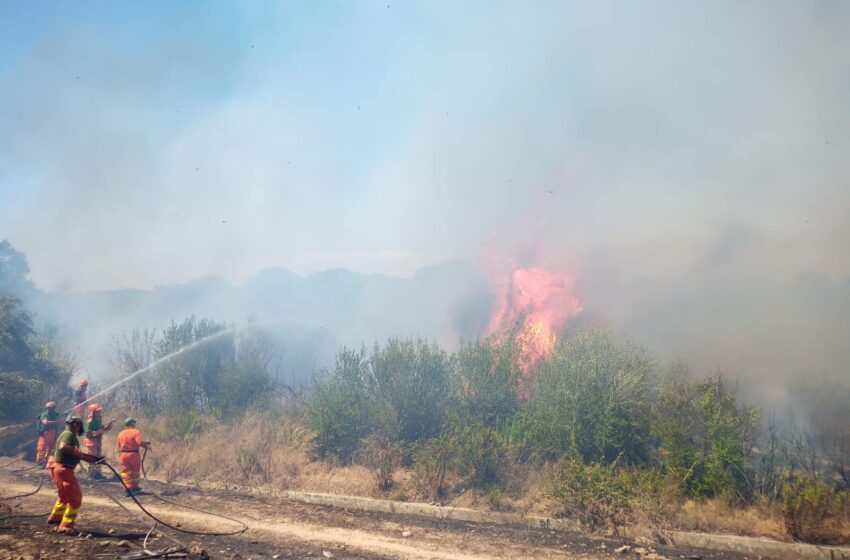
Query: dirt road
x=281 y=529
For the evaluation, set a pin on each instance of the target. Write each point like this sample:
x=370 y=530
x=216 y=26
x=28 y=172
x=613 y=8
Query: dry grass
x=274 y=451
x=262 y=450
x=719 y=516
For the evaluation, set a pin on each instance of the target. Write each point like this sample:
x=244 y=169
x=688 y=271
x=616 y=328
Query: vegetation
x=222 y=378
x=399 y=392
x=813 y=510
x=621 y=442
x=32 y=367
x=618 y=439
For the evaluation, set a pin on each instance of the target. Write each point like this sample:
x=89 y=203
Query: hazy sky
x=151 y=143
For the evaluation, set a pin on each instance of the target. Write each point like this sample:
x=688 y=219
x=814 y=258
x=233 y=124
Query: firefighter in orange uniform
x=46 y=425
x=94 y=436
x=80 y=396
x=65 y=460
x=129 y=443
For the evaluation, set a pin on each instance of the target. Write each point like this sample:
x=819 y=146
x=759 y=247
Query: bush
x=813 y=511
x=181 y=425
x=432 y=461
x=19 y=396
x=591 y=400
x=410 y=383
x=221 y=377
x=479 y=455
x=703 y=435
x=31 y=371
x=595 y=494
x=341 y=407
x=398 y=393
x=382 y=458
x=487 y=375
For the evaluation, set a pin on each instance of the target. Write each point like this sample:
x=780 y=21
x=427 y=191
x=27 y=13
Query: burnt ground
x=280 y=528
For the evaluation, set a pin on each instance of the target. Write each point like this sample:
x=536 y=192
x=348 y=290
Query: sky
x=151 y=144
x=687 y=160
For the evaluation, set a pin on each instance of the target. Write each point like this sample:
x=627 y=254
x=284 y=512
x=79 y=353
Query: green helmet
x=129 y=421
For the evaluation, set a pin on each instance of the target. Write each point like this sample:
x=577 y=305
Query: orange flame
x=543 y=300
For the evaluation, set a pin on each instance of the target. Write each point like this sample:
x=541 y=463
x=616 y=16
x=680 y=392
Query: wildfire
x=543 y=300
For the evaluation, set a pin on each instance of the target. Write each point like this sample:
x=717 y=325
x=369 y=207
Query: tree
x=29 y=372
x=221 y=377
x=13 y=272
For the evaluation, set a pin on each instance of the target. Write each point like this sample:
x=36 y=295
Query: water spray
x=155 y=363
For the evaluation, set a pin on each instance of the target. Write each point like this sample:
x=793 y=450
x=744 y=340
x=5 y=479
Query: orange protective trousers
x=131 y=467
x=46 y=441
x=70 y=496
x=94 y=446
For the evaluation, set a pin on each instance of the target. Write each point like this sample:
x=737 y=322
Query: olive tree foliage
x=33 y=367
x=192 y=379
x=486 y=380
x=411 y=380
x=341 y=406
x=398 y=392
x=221 y=376
x=591 y=400
x=705 y=436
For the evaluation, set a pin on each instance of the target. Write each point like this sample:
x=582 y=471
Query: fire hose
x=164 y=524
x=10 y=463
x=25 y=495
x=159 y=521
x=28 y=494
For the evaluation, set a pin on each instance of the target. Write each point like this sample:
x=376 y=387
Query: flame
x=543 y=300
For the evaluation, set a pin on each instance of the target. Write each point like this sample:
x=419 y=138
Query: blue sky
x=146 y=144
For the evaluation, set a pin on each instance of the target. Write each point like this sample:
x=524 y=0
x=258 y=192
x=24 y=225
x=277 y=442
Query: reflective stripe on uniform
x=70 y=517
x=57 y=512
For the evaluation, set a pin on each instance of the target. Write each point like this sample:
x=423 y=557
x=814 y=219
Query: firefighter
x=46 y=426
x=94 y=437
x=81 y=396
x=129 y=443
x=65 y=460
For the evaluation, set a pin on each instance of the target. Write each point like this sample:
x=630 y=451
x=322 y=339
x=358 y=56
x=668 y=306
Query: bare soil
x=278 y=527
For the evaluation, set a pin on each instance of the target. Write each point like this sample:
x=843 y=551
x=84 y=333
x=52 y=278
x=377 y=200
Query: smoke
x=687 y=162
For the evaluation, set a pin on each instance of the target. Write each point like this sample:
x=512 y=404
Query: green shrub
x=399 y=393
x=813 y=511
x=341 y=407
x=410 y=380
x=486 y=381
x=591 y=400
x=479 y=455
x=19 y=396
x=223 y=377
x=703 y=435
x=31 y=369
x=432 y=461
x=595 y=494
x=242 y=387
